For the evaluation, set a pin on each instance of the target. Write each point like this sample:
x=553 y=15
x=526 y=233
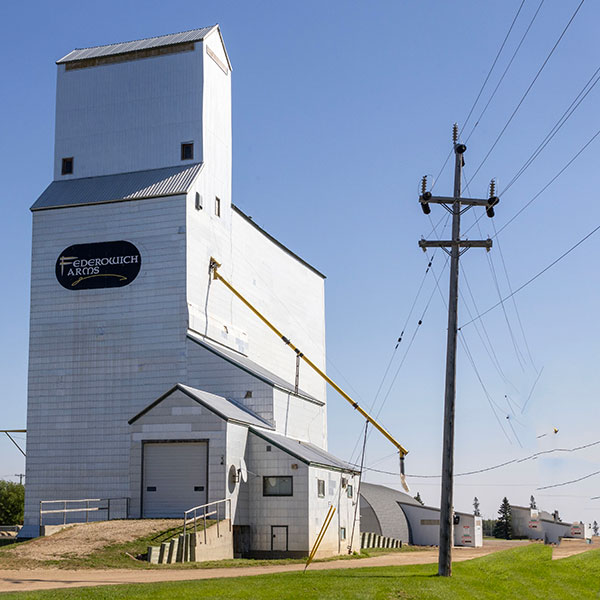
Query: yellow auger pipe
x=321 y=535
x=214 y=265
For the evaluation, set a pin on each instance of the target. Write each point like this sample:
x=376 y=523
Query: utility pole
x=456 y=205
x=20 y=476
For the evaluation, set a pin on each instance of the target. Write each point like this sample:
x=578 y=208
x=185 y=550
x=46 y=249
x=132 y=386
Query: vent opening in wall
x=198 y=202
x=187 y=151
x=217 y=206
x=67 y=166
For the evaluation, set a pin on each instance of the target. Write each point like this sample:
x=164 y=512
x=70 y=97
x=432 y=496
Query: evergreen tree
x=532 y=503
x=418 y=499
x=503 y=527
x=595 y=528
x=476 y=511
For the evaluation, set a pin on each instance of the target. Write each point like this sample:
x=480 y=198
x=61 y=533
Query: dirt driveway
x=44 y=579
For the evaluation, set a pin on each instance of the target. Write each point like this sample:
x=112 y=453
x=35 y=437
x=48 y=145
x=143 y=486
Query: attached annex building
x=147 y=379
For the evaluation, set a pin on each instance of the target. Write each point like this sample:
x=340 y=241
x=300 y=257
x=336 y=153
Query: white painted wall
x=265 y=511
x=97 y=357
x=177 y=418
x=237 y=439
x=337 y=496
x=424 y=523
x=299 y=418
x=129 y=116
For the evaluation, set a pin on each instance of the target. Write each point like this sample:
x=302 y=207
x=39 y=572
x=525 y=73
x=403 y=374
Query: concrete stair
x=213 y=543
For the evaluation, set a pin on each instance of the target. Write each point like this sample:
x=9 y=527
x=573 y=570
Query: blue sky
x=339 y=108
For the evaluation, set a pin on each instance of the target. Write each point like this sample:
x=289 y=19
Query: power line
x=481 y=90
x=485 y=312
x=510 y=62
x=493 y=64
x=557 y=127
x=513 y=298
x=498 y=466
x=528 y=90
x=569 y=163
x=545 y=487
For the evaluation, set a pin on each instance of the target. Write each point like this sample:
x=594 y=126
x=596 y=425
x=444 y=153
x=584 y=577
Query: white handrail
x=87 y=508
x=203 y=507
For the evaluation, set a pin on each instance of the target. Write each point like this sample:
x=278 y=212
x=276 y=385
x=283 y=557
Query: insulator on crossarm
x=425 y=195
x=493 y=199
x=455 y=133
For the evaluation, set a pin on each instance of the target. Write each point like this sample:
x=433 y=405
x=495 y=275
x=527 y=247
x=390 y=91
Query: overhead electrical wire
x=555 y=485
x=536 y=196
x=518 y=353
x=489 y=347
x=401 y=337
x=494 y=63
x=482 y=87
x=472 y=361
x=520 y=322
x=563 y=255
x=564 y=31
x=583 y=93
x=510 y=62
x=533 y=456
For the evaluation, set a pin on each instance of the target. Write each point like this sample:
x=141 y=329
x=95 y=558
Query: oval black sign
x=99 y=265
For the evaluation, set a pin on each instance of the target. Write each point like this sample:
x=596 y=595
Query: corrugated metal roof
x=154 y=183
x=194 y=35
x=249 y=366
x=383 y=501
x=226 y=409
x=305 y=451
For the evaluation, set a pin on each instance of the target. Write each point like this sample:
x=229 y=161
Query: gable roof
x=248 y=365
x=228 y=410
x=193 y=35
x=306 y=452
x=137 y=185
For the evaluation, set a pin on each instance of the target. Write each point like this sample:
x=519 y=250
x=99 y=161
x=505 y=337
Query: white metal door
x=174 y=477
x=279 y=538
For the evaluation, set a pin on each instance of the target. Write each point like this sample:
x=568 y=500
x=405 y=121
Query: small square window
x=67 y=166
x=321 y=488
x=342 y=533
x=278 y=486
x=349 y=491
x=268 y=448
x=187 y=151
x=217 y=206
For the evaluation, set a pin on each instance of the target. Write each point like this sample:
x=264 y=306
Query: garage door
x=174 y=478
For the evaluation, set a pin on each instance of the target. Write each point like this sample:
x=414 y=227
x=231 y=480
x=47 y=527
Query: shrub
x=12 y=503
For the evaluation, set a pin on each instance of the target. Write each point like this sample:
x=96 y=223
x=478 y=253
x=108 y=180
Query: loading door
x=174 y=478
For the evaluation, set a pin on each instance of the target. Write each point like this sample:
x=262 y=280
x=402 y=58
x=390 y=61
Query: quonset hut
x=148 y=380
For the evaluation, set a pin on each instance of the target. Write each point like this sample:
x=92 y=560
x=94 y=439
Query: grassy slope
x=522 y=573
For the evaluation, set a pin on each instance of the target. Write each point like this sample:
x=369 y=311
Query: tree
x=532 y=503
x=503 y=527
x=12 y=503
x=595 y=528
x=418 y=499
x=488 y=527
x=476 y=511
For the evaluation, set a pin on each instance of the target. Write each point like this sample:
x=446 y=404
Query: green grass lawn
x=119 y=556
x=521 y=573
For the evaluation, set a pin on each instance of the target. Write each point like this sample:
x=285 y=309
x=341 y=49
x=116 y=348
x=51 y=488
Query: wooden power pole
x=456 y=205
